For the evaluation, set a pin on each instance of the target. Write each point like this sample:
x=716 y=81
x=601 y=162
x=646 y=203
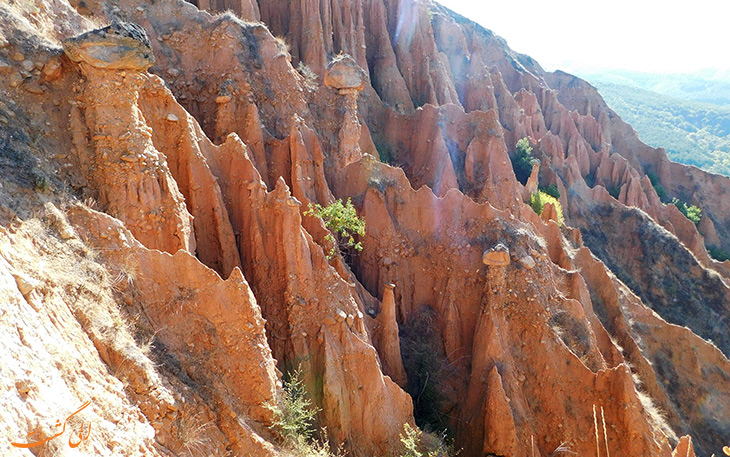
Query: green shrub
x=343 y=223
x=653 y=178
x=538 y=201
x=691 y=212
x=551 y=190
x=591 y=180
x=522 y=160
x=419 y=444
x=661 y=192
x=718 y=253
x=294 y=415
x=294 y=422
x=41 y=183
x=694 y=213
x=614 y=191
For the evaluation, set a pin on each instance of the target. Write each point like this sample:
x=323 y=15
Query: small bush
x=522 y=160
x=551 y=190
x=310 y=77
x=538 y=201
x=661 y=192
x=418 y=444
x=41 y=183
x=282 y=46
x=294 y=422
x=718 y=253
x=343 y=222
x=614 y=191
x=691 y=212
x=294 y=415
x=591 y=180
x=191 y=433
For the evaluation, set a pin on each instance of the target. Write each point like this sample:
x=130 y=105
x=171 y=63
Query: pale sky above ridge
x=583 y=36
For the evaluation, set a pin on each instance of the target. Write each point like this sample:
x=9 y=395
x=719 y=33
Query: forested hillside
x=692 y=133
x=705 y=86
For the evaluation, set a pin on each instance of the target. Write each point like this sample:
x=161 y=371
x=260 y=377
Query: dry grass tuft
x=283 y=46
x=127 y=272
x=562 y=449
x=657 y=418
x=191 y=432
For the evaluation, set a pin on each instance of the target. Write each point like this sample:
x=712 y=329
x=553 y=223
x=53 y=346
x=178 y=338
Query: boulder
x=119 y=46
x=344 y=73
x=497 y=256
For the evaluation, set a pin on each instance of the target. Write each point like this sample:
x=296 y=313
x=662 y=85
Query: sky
x=582 y=36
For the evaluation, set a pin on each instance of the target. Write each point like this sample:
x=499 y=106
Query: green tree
x=551 y=190
x=294 y=415
x=343 y=223
x=522 y=160
x=691 y=212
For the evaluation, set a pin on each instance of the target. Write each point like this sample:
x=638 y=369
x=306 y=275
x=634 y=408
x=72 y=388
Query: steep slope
x=692 y=133
x=202 y=170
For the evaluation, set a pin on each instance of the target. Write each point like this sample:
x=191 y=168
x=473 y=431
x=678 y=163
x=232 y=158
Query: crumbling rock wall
x=203 y=167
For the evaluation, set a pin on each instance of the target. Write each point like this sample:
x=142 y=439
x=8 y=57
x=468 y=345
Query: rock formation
x=389 y=347
x=344 y=75
x=131 y=176
x=156 y=252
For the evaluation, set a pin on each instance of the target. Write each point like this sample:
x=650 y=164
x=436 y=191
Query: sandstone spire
x=132 y=177
x=390 y=355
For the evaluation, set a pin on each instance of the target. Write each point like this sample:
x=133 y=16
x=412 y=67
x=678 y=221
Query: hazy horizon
x=649 y=37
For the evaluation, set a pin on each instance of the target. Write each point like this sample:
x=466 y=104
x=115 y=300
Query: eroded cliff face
x=153 y=220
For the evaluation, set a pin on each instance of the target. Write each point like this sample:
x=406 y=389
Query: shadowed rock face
x=119 y=46
x=206 y=167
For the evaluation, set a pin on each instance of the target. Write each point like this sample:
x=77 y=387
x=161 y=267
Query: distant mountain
x=706 y=86
x=692 y=133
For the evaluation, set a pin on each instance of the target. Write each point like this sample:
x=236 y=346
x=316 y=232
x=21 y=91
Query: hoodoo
x=287 y=229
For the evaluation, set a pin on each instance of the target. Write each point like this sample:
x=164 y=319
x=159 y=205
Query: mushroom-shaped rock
x=120 y=162
x=119 y=46
x=497 y=256
x=344 y=73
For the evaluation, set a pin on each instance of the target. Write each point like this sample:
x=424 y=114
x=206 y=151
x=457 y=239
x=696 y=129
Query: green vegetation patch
x=538 y=201
x=692 y=133
x=718 y=253
x=344 y=224
x=551 y=190
x=691 y=212
x=522 y=160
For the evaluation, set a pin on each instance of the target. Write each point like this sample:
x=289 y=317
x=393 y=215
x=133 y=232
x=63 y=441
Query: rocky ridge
x=177 y=187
